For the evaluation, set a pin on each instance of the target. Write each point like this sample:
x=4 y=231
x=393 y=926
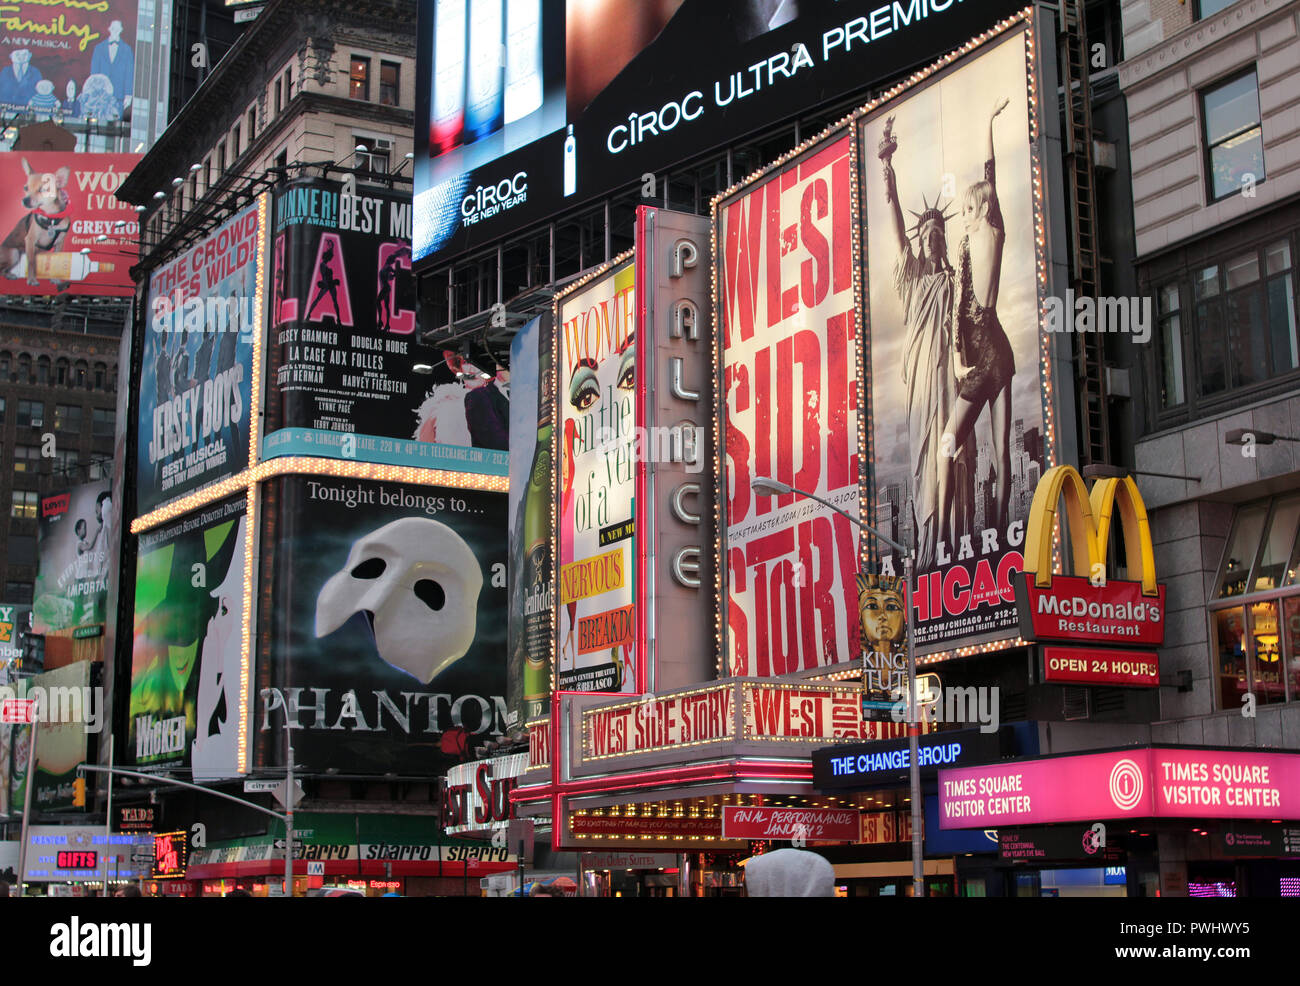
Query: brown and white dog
x=43 y=228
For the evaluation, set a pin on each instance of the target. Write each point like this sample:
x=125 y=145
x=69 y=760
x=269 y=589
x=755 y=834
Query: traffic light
x=79 y=792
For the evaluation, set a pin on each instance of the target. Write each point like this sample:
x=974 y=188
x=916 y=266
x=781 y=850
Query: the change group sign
x=1136 y=783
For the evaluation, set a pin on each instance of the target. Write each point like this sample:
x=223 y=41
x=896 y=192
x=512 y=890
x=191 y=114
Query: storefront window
x=1242 y=546
x=1231 y=638
x=1266 y=678
x=1256 y=627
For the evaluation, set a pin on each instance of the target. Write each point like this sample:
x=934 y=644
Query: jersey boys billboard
x=197 y=369
x=591 y=96
x=957 y=362
x=789 y=335
x=594 y=463
x=387 y=625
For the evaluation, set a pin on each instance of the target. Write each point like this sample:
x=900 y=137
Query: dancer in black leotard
x=985 y=363
x=326 y=283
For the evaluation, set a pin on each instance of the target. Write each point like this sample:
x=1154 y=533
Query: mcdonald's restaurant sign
x=1089 y=607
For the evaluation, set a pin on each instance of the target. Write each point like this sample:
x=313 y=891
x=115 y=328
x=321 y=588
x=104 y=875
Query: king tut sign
x=1089 y=607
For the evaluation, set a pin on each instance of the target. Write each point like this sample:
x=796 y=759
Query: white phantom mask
x=418 y=583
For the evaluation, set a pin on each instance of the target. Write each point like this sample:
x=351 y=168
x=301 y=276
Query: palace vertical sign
x=789 y=335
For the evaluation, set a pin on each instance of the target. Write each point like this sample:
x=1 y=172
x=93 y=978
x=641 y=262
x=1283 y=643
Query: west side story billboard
x=591 y=96
x=387 y=625
x=789 y=334
x=197 y=363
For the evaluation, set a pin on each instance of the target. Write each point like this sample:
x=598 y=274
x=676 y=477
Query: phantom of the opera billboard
x=791 y=384
x=203 y=312
x=187 y=653
x=342 y=375
x=958 y=367
x=594 y=472
x=384 y=643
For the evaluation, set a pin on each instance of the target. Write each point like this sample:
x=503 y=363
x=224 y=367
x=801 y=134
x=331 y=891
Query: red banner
x=790 y=335
x=813 y=824
x=1074 y=609
x=56 y=206
x=1086 y=666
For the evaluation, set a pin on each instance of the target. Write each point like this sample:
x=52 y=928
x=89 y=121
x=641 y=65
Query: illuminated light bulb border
x=259 y=320
x=310 y=466
x=246 y=623
x=557 y=444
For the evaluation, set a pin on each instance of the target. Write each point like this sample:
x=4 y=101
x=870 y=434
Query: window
x=19 y=593
x=65 y=463
x=390 y=74
x=101 y=376
x=31 y=414
x=1208 y=8
x=282 y=159
x=252 y=124
x=371 y=159
x=1239 y=330
x=24 y=504
x=22 y=549
x=1171 y=347
x=61 y=372
x=67 y=417
x=359 y=78
x=25 y=368
x=2 y=409
x=234 y=144
x=4 y=365
x=42 y=370
x=221 y=158
x=1234 y=142
x=1255 y=617
x=101 y=423
x=99 y=469
x=279 y=94
x=288 y=84
x=27 y=458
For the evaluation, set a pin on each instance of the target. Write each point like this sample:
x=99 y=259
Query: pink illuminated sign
x=1138 y=783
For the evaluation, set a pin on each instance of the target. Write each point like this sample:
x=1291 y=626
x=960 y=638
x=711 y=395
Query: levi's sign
x=814 y=824
x=1135 y=783
x=1088 y=607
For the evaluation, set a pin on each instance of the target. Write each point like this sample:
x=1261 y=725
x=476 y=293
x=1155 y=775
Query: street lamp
x=774 y=487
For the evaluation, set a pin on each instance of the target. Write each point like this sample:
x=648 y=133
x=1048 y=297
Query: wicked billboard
x=959 y=369
x=343 y=380
x=186 y=656
x=197 y=363
x=387 y=625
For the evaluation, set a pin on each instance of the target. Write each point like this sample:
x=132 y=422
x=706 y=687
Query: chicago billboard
x=197 y=363
x=789 y=335
x=187 y=655
x=56 y=209
x=385 y=638
x=593 y=96
x=958 y=366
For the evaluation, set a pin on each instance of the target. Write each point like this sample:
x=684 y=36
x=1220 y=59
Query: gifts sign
x=789 y=334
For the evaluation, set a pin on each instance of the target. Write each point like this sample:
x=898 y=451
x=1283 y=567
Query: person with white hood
x=789 y=873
